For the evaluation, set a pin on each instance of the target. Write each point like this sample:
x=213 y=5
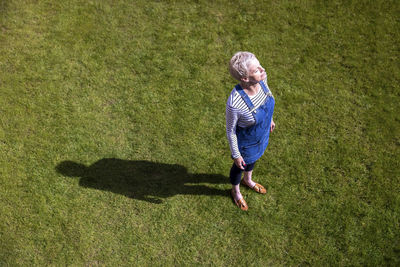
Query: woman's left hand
x=272 y=126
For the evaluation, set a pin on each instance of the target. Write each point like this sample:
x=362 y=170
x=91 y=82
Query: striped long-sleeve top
x=238 y=114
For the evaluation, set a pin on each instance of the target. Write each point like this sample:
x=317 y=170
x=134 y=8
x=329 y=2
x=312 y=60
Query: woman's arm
x=272 y=128
x=232 y=117
x=231 y=122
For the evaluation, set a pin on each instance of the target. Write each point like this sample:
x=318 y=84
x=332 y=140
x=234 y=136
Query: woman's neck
x=251 y=89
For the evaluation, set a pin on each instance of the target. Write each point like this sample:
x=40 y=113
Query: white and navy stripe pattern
x=238 y=114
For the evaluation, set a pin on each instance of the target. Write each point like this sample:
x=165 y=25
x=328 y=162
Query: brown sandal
x=257 y=187
x=241 y=203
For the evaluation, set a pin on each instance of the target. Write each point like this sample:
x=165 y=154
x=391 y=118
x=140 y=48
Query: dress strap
x=245 y=97
x=265 y=88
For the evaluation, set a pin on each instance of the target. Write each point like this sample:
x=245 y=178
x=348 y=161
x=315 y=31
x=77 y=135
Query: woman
x=249 y=121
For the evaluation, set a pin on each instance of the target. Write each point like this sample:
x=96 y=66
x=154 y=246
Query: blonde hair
x=239 y=64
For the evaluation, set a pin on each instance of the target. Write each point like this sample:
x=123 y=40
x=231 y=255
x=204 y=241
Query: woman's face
x=256 y=72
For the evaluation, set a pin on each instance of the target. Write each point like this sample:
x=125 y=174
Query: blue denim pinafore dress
x=253 y=140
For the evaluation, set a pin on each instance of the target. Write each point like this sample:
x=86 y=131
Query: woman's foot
x=256 y=187
x=239 y=200
x=248 y=182
x=247 y=179
x=236 y=194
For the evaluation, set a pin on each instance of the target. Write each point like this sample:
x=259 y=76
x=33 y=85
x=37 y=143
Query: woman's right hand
x=240 y=162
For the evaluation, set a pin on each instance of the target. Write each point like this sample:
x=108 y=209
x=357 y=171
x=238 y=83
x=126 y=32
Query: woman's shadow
x=143 y=180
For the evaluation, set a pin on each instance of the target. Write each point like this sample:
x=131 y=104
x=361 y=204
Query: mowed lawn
x=112 y=133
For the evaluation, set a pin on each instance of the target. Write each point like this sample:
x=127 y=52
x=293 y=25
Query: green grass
x=112 y=133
